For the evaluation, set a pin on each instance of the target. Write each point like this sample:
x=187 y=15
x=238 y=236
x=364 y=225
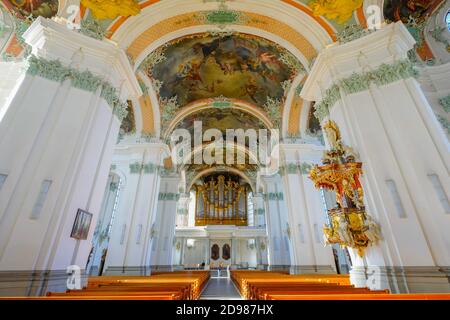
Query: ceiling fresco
x=35 y=8
x=396 y=10
x=237 y=66
x=221 y=119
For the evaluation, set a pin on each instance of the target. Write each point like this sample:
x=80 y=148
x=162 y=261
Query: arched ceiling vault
x=298 y=30
x=253 y=115
x=231 y=66
x=264 y=14
x=237 y=148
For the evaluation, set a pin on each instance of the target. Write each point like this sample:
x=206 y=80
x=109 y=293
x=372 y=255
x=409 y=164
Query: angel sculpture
x=373 y=232
x=343 y=232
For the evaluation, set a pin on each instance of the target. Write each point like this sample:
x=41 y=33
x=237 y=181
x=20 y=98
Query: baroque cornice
x=51 y=40
x=54 y=70
x=357 y=82
x=339 y=61
x=445 y=103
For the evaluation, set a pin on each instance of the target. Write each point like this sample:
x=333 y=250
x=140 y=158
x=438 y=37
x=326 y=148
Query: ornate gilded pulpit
x=349 y=223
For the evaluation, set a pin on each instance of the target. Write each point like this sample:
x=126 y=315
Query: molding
x=445 y=123
x=436 y=33
x=168 y=196
x=357 y=82
x=55 y=71
x=54 y=41
x=295 y=168
x=384 y=46
x=273 y=196
x=260 y=211
x=445 y=103
x=148 y=168
x=351 y=32
x=93 y=28
x=35 y=282
x=408 y=279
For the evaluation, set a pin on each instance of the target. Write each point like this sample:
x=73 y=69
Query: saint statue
x=333 y=134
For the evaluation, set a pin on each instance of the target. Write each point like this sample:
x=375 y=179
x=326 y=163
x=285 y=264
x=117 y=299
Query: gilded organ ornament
x=221 y=202
x=349 y=223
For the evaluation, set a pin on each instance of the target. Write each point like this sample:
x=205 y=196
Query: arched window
x=250 y=211
x=447 y=20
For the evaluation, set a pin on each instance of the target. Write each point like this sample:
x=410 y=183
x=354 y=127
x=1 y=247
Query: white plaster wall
x=435 y=83
x=12 y=75
x=197 y=254
x=305 y=209
x=65 y=135
x=131 y=231
x=244 y=254
x=405 y=155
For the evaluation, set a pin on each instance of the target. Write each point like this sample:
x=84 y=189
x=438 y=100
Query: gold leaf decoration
x=338 y=10
x=111 y=9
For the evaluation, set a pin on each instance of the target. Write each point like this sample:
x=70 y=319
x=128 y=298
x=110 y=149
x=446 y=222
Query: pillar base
x=403 y=279
x=35 y=283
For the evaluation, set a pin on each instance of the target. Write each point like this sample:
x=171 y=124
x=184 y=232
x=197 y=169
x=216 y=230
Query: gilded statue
x=111 y=9
x=333 y=134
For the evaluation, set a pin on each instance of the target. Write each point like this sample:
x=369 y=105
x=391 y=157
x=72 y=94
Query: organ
x=221 y=201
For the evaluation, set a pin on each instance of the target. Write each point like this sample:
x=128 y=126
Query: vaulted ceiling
x=230 y=64
x=236 y=65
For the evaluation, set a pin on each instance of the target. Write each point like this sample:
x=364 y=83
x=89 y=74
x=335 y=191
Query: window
x=396 y=197
x=114 y=211
x=39 y=204
x=447 y=20
x=250 y=211
x=440 y=192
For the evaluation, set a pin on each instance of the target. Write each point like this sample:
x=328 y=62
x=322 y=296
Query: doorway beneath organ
x=220 y=253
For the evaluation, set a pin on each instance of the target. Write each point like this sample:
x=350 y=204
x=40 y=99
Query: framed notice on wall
x=81 y=225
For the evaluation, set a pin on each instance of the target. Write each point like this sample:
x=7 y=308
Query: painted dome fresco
x=238 y=66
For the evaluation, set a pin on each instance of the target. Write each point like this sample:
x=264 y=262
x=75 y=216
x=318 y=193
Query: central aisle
x=220 y=289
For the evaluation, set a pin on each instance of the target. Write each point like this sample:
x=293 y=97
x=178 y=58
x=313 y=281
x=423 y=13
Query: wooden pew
x=177 y=285
x=370 y=296
x=275 y=285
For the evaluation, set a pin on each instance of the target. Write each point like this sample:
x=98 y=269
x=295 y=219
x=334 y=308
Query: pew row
x=180 y=285
x=264 y=285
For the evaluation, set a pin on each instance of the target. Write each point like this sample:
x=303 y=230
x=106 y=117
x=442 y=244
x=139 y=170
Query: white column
x=384 y=115
x=305 y=209
x=277 y=222
x=183 y=210
x=131 y=234
x=259 y=210
x=56 y=144
x=165 y=221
